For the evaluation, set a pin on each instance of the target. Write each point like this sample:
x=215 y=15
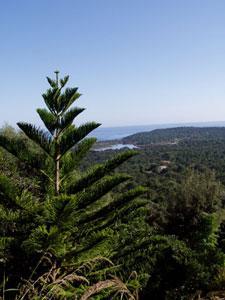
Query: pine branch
x=52 y=98
x=49 y=119
x=99 y=189
x=75 y=156
x=115 y=204
x=100 y=171
x=52 y=83
x=111 y=218
x=37 y=135
x=68 y=118
x=64 y=81
x=12 y=145
x=81 y=150
x=75 y=135
x=21 y=149
x=91 y=246
x=93 y=240
x=69 y=97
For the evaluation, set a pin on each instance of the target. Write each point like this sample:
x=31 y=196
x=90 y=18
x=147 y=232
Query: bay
x=117 y=133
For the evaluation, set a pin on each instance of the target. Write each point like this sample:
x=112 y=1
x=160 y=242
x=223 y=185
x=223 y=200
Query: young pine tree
x=74 y=218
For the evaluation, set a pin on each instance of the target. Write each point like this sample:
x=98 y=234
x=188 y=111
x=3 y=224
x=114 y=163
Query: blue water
x=112 y=133
x=117 y=147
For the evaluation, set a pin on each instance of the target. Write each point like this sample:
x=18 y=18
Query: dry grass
x=72 y=282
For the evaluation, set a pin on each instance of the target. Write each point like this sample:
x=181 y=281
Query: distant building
x=162 y=168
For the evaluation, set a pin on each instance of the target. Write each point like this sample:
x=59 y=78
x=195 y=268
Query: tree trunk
x=57 y=178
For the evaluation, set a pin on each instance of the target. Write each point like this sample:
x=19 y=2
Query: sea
x=116 y=133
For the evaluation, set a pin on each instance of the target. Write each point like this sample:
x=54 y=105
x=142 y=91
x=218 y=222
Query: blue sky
x=135 y=61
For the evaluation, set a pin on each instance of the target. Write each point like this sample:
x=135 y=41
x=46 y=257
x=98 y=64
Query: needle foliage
x=69 y=216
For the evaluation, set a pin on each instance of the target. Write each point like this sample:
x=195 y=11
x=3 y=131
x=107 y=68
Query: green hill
x=173 y=135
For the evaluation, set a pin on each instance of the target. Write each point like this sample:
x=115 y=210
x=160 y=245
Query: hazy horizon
x=110 y=133
x=157 y=124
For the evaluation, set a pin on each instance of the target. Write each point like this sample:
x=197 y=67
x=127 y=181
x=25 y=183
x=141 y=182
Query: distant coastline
x=117 y=133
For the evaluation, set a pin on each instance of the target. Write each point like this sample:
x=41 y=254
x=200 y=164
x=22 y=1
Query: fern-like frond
x=52 y=82
x=69 y=116
x=75 y=135
x=48 y=118
x=12 y=145
x=68 y=97
x=20 y=148
x=90 y=246
x=100 y=188
x=52 y=99
x=115 y=215
x=115 y=204
x=37 y=135
x=100 y=171
x=81 y=150
x=73 y=158
x=64 y=81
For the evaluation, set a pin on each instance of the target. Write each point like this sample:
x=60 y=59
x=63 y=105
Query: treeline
x=176 y=134
x=109 y=225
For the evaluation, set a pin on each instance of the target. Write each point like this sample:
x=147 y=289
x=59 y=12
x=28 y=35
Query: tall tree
x=80 y=219
x=62 y=135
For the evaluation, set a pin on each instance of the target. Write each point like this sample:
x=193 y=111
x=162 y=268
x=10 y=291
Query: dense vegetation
x=171 y=135
x=74 y=225
x=183 y=169
x=60 y=233
x=177 y=148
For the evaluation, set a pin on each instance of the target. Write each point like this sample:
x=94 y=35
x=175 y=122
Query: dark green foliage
x=177 y=134
x=97 y=172
x=196 y=195
x=70 y=217
x=38 y=136
x=74 y=135
x=63 y=230
x=185 y=251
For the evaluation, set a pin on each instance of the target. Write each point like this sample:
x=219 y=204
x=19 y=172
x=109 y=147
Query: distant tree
x=196 y=195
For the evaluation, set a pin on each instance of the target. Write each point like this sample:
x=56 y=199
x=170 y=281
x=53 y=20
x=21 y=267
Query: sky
x=135 y=62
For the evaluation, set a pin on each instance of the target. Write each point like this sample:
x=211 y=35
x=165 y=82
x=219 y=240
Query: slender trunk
x=57 y=178
x=57 y=149
x=57 y=164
